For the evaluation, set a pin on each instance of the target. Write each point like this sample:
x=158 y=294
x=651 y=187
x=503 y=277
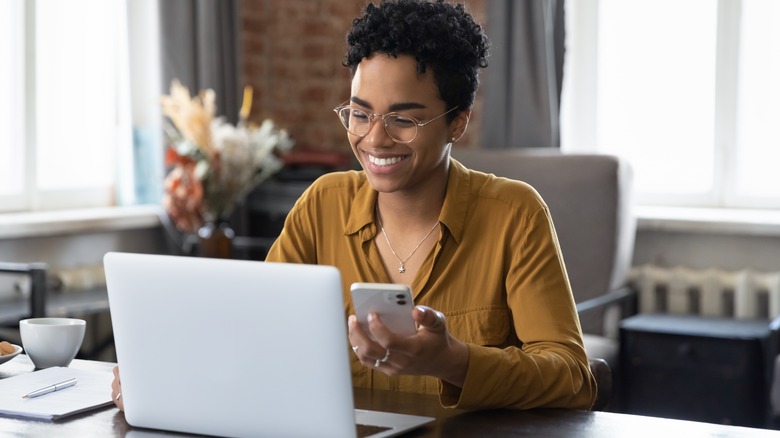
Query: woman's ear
x=459 y=125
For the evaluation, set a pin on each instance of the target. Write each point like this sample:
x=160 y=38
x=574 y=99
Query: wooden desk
x=109 y=422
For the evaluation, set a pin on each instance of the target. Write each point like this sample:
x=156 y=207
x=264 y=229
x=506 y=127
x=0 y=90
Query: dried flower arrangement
x=213 y=164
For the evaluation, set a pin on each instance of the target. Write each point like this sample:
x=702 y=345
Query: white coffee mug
x=52 y=342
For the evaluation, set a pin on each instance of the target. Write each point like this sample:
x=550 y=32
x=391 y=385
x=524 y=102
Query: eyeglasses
x=399 y=127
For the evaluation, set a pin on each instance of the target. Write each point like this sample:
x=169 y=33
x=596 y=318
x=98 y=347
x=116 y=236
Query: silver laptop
x=236 y=348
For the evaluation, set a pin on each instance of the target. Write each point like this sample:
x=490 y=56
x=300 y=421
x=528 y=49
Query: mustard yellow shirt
x=496 y=273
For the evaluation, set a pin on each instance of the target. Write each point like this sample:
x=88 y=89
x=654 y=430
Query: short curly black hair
x=439 y=35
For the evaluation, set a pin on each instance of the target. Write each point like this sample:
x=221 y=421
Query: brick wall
x=292 y=54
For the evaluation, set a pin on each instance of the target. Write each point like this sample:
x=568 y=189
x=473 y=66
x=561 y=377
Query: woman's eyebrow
x=360 y=102
x=405 y=106
x=394 y=107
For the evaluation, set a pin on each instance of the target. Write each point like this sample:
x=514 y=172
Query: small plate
x=6 y=357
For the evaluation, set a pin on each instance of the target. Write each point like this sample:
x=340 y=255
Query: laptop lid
x=233 y=347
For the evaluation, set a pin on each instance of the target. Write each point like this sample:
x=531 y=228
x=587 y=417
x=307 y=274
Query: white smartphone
x=392 y=302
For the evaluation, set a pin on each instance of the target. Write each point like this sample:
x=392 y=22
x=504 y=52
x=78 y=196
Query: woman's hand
x=431 y=351
x=116 y=390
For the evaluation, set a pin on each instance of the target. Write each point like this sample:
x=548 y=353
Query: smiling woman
x=496 y=324
x=69 y=106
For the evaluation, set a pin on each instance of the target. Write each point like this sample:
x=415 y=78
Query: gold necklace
x=401 y=268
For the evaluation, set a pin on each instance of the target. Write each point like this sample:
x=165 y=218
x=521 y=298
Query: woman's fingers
x=429 y=318
x=369 y=352
x=116 y=390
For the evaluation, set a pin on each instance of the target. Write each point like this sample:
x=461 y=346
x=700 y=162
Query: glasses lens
x=356 y=121
x=401 y=128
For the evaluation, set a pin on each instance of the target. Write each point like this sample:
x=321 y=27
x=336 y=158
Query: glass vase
x=215 y=240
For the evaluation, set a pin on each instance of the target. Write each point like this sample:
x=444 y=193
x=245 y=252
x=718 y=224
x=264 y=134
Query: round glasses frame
x=344 y=112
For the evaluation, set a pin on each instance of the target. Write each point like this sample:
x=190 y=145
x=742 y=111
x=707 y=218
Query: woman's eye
x=359 y=116
x=403 y=122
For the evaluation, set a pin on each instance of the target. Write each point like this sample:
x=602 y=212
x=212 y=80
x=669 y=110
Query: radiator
x=712 y=292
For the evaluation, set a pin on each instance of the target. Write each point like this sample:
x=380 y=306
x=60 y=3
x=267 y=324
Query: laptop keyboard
x=365 y=430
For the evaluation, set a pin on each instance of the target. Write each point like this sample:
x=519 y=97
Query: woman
x=497 y=325
x=479 y=250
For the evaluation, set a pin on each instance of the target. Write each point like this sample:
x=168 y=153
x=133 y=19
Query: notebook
x=90 y=392
x=235 y=348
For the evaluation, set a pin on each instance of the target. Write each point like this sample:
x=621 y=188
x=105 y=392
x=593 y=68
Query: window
x=63 y=66
x=11 y=106
x=686 y=90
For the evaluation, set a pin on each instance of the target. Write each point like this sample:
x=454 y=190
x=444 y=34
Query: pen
x=56 y=387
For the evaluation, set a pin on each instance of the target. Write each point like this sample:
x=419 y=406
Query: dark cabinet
x=695 y=368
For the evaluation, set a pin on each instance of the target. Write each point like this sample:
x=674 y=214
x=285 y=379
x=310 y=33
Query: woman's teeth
x=384 y=161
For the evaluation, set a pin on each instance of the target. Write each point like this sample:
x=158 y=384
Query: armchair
x=589 y=197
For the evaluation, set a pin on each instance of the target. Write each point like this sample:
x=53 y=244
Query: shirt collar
x=362 y=212
x=456 y=199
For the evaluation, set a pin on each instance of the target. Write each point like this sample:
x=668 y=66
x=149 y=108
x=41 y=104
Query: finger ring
x=118 y=396
x=354 y=349
x=382 y=360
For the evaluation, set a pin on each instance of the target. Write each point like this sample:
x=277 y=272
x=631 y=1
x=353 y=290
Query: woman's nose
x=377 y=134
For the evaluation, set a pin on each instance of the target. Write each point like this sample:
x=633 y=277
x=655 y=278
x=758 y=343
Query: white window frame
x=579 y=114
x=31 y=198
x=16 y=100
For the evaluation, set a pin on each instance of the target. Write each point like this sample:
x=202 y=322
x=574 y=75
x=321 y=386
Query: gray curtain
x=200 y=46
x=523 y=81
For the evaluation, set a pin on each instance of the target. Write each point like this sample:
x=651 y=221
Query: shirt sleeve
x=550 y=367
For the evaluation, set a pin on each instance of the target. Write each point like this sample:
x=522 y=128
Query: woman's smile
x=385 y=164
x=384 y=161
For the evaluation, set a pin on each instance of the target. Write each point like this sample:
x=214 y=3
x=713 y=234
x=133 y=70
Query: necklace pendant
x=401 y=269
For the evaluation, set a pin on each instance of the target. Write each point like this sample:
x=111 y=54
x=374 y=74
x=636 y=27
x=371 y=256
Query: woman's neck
x=418 y=209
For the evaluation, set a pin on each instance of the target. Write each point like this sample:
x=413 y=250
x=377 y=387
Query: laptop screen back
x=229 y=347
